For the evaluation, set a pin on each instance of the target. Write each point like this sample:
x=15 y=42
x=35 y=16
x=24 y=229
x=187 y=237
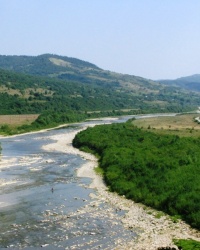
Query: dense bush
x=160 y=171
x=188 y=244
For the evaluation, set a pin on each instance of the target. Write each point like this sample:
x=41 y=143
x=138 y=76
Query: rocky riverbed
x=154 y=229
x=51 y=197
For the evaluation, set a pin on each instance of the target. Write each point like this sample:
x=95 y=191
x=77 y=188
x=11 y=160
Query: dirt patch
x=17 y=119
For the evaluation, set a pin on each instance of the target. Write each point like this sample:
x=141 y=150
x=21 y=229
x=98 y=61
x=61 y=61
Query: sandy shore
x=155 y=231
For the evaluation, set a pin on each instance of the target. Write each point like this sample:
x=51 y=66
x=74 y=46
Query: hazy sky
x=156 y=39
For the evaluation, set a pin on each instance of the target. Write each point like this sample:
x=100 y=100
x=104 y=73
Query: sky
x=154 y=39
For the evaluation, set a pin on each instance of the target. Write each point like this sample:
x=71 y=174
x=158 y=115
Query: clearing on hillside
x=17 y=119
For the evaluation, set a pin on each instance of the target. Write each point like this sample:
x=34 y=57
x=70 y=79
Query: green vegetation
x=187 y=244
x=181 y=125
x=45 y=120
x=24 y=94
x=33 y=85
x=189 y=82
x=44 y=65
x=99 y=171
x=64 y=101
x=161 y=171
x=53 y=119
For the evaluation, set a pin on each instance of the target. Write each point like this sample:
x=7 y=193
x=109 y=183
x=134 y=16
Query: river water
x=44 y=204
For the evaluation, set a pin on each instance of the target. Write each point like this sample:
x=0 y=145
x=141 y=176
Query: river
x=44 y=204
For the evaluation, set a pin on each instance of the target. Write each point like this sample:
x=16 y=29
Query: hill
x=191 y=83
x=21 y=93
x=34 y=84
x=72 y=69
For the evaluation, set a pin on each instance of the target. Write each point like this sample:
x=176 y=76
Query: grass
x=175 y=218
x=9 y=124
x=25 y=93
x=17 y=120
x=181 y=125
x=99 y=171
x=159 y=214
x=187 y=244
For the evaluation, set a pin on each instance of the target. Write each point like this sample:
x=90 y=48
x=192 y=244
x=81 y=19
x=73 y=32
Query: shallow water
x=46 y=204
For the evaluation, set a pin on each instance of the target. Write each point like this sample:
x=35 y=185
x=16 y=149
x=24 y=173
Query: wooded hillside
x=55 y=83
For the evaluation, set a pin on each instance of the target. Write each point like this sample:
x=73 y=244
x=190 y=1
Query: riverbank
x=156 y=230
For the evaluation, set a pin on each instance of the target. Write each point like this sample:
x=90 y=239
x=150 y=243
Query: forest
x=25 y=94
x=161 y=171
x=35 y=85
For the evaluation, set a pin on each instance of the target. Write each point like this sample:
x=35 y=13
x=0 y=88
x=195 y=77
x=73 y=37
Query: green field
x=181 y=125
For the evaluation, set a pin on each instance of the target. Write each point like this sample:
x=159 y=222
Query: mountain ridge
x=59 y=83
x=191 y=82
x=66 y=68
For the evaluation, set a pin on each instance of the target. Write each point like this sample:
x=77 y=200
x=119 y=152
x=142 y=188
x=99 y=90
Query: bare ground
x=17 y=119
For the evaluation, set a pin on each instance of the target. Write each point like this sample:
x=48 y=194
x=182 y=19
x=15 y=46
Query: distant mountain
x=191 y=83
x=73 y=69
x=33 y=84
x=44 y=64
